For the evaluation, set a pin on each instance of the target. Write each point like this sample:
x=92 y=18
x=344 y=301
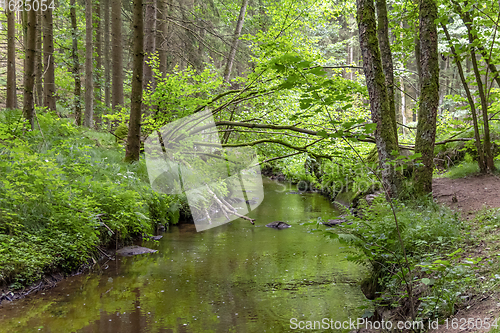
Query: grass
x=464 y=169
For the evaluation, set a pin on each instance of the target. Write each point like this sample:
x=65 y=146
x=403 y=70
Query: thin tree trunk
x=117 y=55
x=89 y=66
x=134 y=128
x=29 y=71
x=403 y=103
x=149 y=43
x=492 y=67
x=107 y=74
x=385 y=136
x=236 y=38
x=161 y=29
x=98 y=65
x=429 y=95
x=482 y=96
x=49 y=87
x=38 y=61
x=76 y=65
x=385 y=52
x=419 y=72
x=11 y=102
x=481 y=162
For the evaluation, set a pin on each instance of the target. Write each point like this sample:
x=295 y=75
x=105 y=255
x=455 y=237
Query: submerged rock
x=128 y=251
x=278 y=225
x=331 y=223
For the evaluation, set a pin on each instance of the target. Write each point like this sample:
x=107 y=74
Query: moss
x=121 y=132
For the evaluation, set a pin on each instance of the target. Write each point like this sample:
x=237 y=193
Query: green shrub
x=61 y=196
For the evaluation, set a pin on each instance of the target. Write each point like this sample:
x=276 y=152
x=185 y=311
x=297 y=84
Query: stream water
x=233 y=278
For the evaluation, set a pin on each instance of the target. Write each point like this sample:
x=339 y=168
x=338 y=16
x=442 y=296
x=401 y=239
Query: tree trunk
x=385 y=136
x=107 y=74
x=236 y=38
x=468 y=20
x=429 y=95
x=38 y=60
x=29 y=70
x=89 y=66
x=484 y=106
x=49 y=86
x=134 y=128
x=403 y=103
x=481 y=162
x=98 y=65
x=385 y=52
x=11 y=102
x=149 y=43
x=117 y=54
x=76 y=65
x=161 y=29
x=419 y=72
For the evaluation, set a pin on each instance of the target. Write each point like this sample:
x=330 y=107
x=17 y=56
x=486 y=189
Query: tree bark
x=385 y=52
x=477 y=136
x=236 y=38
x=89 y=67
x=29 y=70
x=134 y=128
x=385 y=136
x=38 y=60
x=468 y=20
x=11 y=102
x=76 y=65
x=117 y=55
x=429 y=96
x=107 y=74
x=49 y=86
x=98 y=64
x=161 y=29
x=149 y=43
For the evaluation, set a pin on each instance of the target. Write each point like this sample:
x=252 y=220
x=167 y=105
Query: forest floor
x=470 y=196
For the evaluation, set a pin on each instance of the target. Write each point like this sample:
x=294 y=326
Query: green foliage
x=60 y=196
x=426 y=230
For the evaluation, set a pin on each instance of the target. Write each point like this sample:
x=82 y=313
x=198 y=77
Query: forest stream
x=233 y=278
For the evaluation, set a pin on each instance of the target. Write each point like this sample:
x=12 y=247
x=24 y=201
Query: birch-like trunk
x=236 y=38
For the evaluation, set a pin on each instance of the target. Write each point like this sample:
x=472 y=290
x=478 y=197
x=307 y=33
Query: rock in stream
x=128 y=251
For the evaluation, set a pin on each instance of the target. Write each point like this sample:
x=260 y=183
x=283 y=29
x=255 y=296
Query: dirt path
x=469 y=195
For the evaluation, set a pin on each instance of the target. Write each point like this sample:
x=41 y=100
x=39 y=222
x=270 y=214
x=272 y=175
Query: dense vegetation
x=350 y=98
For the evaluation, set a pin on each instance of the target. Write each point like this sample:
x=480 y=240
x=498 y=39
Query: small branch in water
x=104 y=253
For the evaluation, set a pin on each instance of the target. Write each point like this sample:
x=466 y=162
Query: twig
x=104 y=253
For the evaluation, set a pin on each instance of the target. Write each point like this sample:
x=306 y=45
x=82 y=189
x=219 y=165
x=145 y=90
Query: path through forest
x=468 y=195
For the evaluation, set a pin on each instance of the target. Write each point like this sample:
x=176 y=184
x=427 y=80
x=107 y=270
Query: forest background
x=348 y=97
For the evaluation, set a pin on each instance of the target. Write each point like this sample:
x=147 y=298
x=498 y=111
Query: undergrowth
x=464 y=169
x=63 y=192
x=444 y=272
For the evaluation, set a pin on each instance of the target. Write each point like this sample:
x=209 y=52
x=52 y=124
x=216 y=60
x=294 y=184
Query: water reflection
x=234 y=278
